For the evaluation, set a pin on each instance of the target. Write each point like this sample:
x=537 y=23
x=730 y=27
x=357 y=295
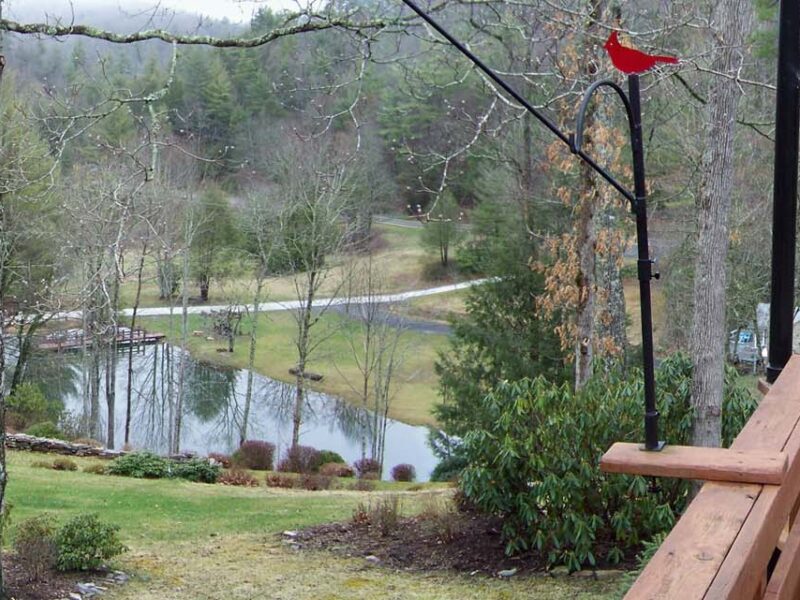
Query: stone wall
x=21 y=441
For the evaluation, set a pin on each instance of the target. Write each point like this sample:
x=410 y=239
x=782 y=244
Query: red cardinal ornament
x=629 y=60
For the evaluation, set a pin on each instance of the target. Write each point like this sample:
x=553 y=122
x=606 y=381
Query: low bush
x=85 y=542
x=368 y=468
x=362 y=485
x=35 y=546
x=300 y=459
x=336 y=470
x=238 y=477
x=64 y=464
x=280 y=480
x=197 y=469
x=314 y=482
x=223 y=459
x=329 y=456
x=96 y=468
x=47 y=429
x=404 y=472
x=533 y=461
x=144 y=465
x=255 y=454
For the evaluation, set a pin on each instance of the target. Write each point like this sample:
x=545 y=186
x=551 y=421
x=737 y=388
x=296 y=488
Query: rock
x=507 y=573
x=290 y=534
x=585 y=574
x=372 y=559
x=559 y=572
x=608 y=574
x=74 y=596
x=210 y=339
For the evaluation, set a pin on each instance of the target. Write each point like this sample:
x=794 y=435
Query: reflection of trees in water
x=150 y=404
x=352 y=421
x=57 y=374
x=209 y=390
x=213 y=402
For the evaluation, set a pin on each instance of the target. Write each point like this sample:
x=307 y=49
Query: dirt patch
x=54 y=585
x=417 y=545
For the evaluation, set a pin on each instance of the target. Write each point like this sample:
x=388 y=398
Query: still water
x=213 y=403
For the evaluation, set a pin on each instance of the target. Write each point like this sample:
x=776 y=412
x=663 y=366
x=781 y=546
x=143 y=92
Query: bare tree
x=374 y=338
x=314 y=189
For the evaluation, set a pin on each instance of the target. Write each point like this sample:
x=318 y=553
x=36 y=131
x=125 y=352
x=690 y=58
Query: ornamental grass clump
x=533 y=461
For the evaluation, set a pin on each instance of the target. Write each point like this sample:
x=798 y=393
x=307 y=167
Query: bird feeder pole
x=637 y=198
x=784 y=211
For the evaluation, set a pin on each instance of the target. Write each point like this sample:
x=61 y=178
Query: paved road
x=163 y=311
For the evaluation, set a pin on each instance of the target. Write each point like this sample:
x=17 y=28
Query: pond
x=213 y=402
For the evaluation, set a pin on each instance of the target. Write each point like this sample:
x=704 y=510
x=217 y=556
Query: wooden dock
x=67 y=340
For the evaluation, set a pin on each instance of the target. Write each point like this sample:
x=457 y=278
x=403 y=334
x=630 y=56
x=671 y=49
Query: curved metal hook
x=576 y=141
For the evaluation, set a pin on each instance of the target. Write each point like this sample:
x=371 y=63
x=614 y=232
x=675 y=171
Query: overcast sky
x=234 y=10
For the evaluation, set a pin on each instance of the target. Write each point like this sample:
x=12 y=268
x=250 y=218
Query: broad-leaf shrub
x=85 y=542
x=197 y=469
x=534 y=461
x=140 y=464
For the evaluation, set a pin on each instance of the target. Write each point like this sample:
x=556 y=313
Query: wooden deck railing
x=740 y=540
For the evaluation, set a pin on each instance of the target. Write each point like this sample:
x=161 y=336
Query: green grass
x=190 y=541
x=417 y=382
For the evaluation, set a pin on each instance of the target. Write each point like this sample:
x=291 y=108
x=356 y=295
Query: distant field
x=399 y=257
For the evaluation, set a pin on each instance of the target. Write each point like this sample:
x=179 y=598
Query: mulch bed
x=55 y=584
x=415 y=546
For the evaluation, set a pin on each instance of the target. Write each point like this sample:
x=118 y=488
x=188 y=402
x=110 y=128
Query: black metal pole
x=784 y=211
x=645 y=268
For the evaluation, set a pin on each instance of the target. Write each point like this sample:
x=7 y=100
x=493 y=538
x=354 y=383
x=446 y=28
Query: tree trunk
x=732 y=19
x=248 y=397
x=302 y=356
x=129 y=390
x=176 y=441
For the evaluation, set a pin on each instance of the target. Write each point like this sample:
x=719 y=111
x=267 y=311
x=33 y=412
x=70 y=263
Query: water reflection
x=212 y=409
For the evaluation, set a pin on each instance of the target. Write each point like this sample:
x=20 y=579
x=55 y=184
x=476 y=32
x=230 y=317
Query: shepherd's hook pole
x=637 y=198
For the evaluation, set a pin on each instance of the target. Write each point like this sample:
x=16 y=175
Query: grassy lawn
x=275 y=354
x=191 y=541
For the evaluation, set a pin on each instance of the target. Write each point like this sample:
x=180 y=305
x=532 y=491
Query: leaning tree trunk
x=732 y=19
